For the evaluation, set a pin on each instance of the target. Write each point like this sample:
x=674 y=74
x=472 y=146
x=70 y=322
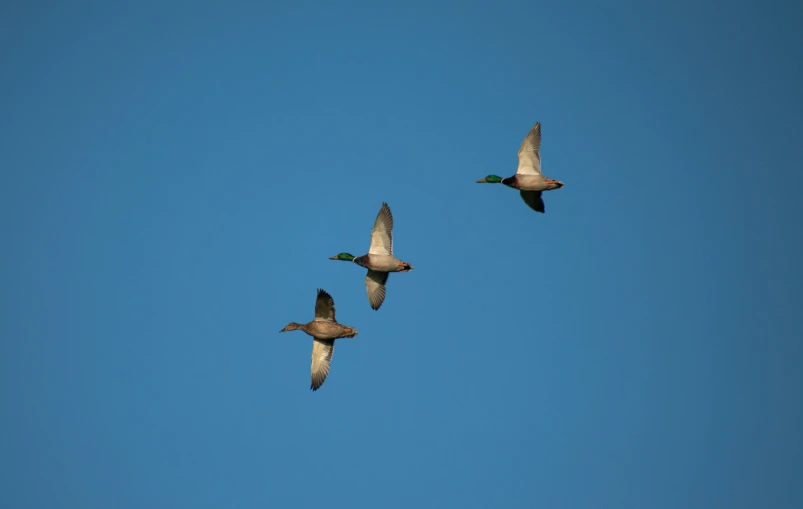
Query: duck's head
x=343 y=256
x=490 y=179
x=291 y=326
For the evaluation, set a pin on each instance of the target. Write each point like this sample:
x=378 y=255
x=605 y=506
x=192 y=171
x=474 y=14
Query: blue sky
x=174 y=179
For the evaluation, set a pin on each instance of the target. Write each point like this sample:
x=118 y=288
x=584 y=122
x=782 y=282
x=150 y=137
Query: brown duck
x=324 y=330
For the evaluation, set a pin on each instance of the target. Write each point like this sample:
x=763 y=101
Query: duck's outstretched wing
x=529 y=157
x=322 y=350
x=381 y=234
x=533 y=200
x=324 y=306
x=375 y=286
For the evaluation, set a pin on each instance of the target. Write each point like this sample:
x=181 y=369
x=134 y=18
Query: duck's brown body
x=323 y=329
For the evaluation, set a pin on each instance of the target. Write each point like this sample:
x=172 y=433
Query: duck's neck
x=510 y=182
x=296 y=326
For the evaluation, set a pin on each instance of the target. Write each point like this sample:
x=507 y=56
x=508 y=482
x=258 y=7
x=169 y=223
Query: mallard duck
x=528 y=179
x=324 y=330
x=379 y=261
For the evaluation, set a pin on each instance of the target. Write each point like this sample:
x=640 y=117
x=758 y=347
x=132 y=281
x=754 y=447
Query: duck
x=380 y=260
x=528 y=178
x=324 y=330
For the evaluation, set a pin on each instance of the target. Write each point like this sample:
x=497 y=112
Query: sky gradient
x=173 y=180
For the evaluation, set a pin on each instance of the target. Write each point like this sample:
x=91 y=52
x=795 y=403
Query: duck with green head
x=379 y=260
x=528 y=178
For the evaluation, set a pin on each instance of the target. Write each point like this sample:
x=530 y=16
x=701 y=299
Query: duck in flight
x=528 y=178
x=380 y=260
x=324 y=330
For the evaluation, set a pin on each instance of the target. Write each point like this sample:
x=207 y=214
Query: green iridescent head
x=490 y=179
x=343 y=256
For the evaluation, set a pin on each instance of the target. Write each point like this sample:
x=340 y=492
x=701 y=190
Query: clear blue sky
x=174 y=178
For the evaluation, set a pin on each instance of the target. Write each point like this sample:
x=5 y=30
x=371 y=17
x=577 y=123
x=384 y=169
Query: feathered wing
x=529 y=156
x=322 y=350
x=324 y=306
x=375 y=286
x=381 y=234
x=533 y=200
